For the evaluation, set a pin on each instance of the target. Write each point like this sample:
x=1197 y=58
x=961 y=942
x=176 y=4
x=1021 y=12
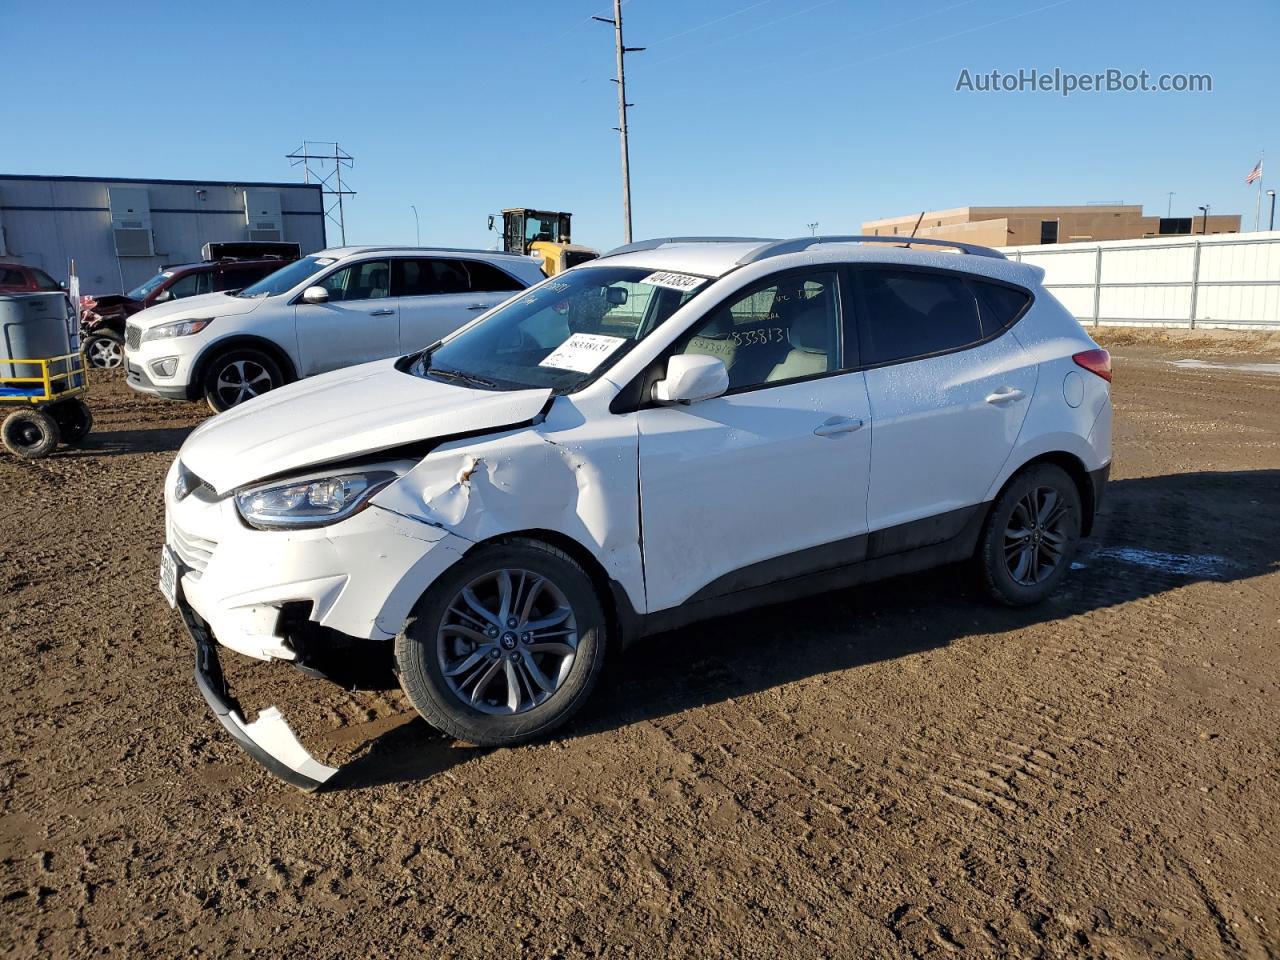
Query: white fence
x=1224 y=280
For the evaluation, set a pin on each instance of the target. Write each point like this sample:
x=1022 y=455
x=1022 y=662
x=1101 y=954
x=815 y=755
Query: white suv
x=679 y=429
x=332 y=309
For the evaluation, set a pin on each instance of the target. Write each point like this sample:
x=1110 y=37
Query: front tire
x=1030 y=537
x=104 y=350
x=506 y=646
x=239 y=375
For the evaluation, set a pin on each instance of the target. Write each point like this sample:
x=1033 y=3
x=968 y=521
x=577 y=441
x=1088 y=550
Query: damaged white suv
x=680 y=429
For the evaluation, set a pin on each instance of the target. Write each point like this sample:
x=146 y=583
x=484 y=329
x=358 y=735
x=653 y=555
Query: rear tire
x=1030 y=536
x=74 y=418
x=30 y=434
x=103 y=350
x=239 y=375
x=498 y=682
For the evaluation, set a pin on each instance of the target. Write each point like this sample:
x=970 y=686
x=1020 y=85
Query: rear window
x=911 y=313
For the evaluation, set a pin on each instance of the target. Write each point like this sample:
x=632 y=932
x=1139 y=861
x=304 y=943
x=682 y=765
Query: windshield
x=286 y=278
x=563 y=334
x=148 y=288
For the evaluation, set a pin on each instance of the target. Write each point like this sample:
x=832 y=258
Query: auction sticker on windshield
x=674 y=281
x=582 y=352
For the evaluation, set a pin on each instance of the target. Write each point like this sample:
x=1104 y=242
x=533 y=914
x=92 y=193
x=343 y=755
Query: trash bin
x=33 y=326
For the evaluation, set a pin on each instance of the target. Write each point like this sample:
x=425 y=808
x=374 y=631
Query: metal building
x=121 y=231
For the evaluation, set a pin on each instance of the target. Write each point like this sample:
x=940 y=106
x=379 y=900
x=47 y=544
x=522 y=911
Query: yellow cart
x=48 y=395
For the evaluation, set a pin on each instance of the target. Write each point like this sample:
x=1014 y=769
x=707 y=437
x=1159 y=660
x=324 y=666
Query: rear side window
x=419 y=278
x=12 y=278
x=998 y=306
x=912 y=313
x=486 y=278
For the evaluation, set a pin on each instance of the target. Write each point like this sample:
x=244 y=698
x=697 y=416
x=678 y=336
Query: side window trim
x=972 y=281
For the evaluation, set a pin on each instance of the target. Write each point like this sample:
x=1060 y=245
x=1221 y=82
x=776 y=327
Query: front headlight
x=179 y=328
x=310 y=503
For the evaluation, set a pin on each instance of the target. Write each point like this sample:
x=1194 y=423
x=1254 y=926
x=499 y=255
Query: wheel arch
x=618 y=609
x=1079 y=474
x=195 y=384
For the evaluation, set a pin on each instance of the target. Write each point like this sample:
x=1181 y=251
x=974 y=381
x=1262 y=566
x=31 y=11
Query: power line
x=709 y=23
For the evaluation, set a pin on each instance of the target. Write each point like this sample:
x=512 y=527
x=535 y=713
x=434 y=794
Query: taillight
x=1095 y=361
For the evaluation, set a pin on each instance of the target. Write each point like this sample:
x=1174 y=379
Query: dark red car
x=102 y=318
x=19 y=278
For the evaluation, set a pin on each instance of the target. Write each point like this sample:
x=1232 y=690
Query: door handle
x=1005 y=395
x=478 y=306
x=381 y=313
x=834 y=426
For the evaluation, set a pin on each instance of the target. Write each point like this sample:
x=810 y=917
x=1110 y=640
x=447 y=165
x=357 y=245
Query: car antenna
x=917 y=226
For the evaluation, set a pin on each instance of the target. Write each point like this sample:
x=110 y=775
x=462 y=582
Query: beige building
x=1007 y=226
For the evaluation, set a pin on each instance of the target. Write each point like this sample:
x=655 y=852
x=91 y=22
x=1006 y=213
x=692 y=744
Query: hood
x=205 y=305
x=341 y=415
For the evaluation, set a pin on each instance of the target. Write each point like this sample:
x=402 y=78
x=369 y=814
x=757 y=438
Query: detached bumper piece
x=269 y=739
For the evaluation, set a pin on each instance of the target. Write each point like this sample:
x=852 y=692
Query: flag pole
x=1257 y=210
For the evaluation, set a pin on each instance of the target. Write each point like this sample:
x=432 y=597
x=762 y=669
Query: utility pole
x=621 y=81
x=1169 y=213
x=1272 y=195
x=417 y=234
x=313 y=163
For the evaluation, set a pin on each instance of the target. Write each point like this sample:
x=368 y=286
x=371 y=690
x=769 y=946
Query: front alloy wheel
x=505 y=646
x=507 y=642
x=239 y=376
x=104 y=351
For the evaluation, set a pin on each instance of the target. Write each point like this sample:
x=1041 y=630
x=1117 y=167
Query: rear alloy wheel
x=1030 y=536
x=238 y=376
x=30 y=434
x=103 y=350
x=505 y=646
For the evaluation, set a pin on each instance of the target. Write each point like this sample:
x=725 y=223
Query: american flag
x=1255 y=173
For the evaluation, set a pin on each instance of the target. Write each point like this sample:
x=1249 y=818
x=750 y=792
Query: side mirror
x=690 y=378
x=315 y=295
x=615 y=296
x=164 y=296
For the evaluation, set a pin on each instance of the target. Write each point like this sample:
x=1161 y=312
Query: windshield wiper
x=460 y=376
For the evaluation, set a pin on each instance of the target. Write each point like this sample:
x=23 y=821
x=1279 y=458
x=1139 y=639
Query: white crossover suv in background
x=677 y=430
x=332 y=309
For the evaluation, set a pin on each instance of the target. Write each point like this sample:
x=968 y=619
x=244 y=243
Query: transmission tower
x=316 y=156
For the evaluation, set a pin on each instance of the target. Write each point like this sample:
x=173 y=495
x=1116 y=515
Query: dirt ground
x=894 y=770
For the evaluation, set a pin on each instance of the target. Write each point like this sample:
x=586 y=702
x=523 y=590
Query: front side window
x=563 y=334
x=780 y=331
x=190 y=285
x=912 y=313
x=142 y=291
x=368 y=280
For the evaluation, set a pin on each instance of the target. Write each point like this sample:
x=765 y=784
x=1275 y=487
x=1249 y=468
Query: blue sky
x=751 y=117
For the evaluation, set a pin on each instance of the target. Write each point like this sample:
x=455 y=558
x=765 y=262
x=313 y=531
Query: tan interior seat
x=810 y=338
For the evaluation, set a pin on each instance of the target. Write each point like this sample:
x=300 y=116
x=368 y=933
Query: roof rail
x=663 y=241
x=779 y=247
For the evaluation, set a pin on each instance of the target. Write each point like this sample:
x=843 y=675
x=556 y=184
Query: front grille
x=132 y=336
x=194 y=552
